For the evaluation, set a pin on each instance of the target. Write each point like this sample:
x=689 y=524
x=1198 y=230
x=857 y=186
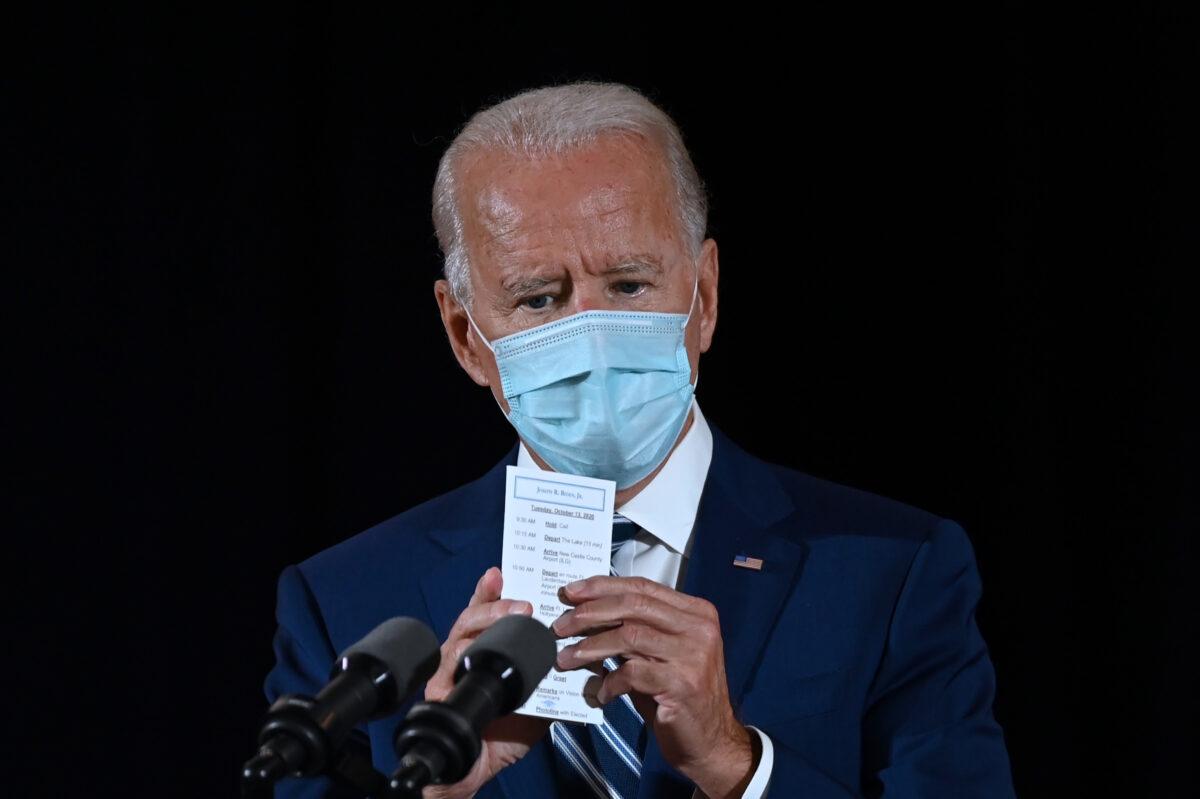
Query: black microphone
x=439 y=741
x=370 y=680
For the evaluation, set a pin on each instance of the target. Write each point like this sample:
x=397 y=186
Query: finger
x=452 y=650
x=643 y=705
x=596 y=668
x=628 y=640
x=476 y=618
x=591 y=689
x=608 y=612
x=487 y=589
x=455 y=655
x=603 y=585
x=635 y=677
x=443 y=679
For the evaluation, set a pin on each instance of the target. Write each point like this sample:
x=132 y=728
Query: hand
x=507 y=739
x=674 y=672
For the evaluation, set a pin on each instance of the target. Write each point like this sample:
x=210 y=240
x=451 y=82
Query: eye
x=629 y=287
x=538 y=302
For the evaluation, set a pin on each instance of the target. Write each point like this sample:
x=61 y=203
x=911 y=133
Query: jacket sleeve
x=303 y=659
x=794 y=774
x=928 y=728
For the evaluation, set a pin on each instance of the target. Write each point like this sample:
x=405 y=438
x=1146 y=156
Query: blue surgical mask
x=600 y=393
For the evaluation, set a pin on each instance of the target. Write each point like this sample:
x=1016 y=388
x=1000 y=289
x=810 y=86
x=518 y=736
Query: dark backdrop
x=955 y=244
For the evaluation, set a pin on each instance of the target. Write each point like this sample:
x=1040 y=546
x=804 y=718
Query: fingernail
x=562 y=618
x=575 y=586
x=520 y=608
x=564 y=657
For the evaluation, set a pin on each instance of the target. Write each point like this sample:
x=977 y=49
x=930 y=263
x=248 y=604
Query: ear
x=463 y=340
x=707 y=292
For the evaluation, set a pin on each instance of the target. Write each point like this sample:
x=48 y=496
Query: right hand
x=507 y=739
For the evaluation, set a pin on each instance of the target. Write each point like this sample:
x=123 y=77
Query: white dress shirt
x=666 y=509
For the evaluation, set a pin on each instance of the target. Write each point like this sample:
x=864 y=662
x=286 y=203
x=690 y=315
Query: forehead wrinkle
x=633 y=210
x=605 y=200
x=522 y=236
x=497 y=213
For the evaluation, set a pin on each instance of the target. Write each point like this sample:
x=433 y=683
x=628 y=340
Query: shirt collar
x=667 y=506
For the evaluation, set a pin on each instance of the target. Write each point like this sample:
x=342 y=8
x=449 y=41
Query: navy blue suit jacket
x=855 y=647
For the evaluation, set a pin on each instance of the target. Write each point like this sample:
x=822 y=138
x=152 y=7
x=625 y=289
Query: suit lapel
x=741 y=511
x=743 y=514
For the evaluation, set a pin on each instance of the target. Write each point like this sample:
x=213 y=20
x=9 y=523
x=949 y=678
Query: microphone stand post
x=291 y=734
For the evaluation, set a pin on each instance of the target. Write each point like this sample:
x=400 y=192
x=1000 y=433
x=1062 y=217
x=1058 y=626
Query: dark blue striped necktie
x=606 y=759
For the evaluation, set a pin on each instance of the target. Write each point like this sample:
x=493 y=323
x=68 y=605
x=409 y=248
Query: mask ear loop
x=695 y=290
x=488 y=344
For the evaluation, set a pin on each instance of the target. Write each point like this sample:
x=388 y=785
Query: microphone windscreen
x=523 y=641
x=406 y=646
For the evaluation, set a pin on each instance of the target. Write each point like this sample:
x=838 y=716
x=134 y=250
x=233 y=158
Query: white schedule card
x=557 y=529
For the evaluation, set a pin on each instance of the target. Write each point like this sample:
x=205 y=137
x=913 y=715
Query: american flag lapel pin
x=747 y=562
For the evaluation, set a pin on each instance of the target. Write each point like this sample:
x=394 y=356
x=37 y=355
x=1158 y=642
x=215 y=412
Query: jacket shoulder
x=406 y=530
x=389 y=558
x=823 y=506
x=841 y=508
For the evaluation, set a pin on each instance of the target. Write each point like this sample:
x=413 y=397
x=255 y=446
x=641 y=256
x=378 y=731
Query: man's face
x=593 y=230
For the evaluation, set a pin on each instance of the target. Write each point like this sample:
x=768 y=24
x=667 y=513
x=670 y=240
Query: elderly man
x=764 y=630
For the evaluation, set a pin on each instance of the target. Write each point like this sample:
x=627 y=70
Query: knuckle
x=633 y=635
x=465 y=620
x=709 y=633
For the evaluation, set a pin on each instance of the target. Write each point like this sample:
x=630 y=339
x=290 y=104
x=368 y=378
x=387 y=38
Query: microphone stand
x=349 y=766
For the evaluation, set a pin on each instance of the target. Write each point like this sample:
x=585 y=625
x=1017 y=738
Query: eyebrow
x=636 y=264
x=524 y=285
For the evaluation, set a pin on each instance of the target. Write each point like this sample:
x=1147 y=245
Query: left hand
x=674 y=671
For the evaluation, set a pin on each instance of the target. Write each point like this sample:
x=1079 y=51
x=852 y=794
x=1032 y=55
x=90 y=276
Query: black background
x=956 y=246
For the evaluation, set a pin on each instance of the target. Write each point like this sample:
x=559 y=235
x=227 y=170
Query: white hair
x=551 y=121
